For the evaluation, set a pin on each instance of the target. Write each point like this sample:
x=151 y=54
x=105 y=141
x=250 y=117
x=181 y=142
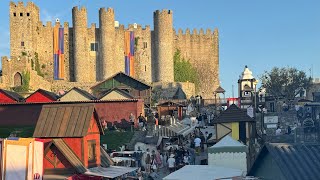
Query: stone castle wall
x=202 y=50
x=167 y=90
x=154 y=49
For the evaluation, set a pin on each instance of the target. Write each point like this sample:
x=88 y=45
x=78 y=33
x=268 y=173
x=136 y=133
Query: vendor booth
x=204 y=172
x=228 y=153
x=22 y=159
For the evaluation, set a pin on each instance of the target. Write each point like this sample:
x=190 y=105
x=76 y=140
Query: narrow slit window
x=22 y=43
x=94 y=47
x=21 y=14
x=145 y=68
x=145 y=45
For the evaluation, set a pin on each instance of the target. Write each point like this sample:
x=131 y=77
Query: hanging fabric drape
x=58 y=53
x=129 y=43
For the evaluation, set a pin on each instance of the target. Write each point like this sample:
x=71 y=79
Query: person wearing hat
x=171 y=163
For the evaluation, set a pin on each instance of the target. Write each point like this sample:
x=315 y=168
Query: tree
x=285 y=82
x=183 y=70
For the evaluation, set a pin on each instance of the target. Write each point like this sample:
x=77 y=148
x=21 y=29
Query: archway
x=17 y=80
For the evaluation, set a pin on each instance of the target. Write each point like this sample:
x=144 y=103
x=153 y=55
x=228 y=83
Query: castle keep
x=78 y=54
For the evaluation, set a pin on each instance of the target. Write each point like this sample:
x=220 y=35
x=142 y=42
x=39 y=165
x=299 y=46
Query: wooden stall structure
x=41 y=95
x=9 y=97
x=137 y=89
x=235 y=122
x=171 y=108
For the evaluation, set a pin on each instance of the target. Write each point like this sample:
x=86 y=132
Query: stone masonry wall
x=202 y=50
x=153 y=52
x=167 y=90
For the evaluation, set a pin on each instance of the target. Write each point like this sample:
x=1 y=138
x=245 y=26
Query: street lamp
x=255 y=93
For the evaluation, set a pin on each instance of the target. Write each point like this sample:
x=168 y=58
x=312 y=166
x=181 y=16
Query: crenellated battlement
x=76 y=9
x=163 y=12
x=48 y=24
x=216 y=32
x=66 y=25
x=20 y=5
x=146 y=28
x=121 y=28
x=108 y=11
x=208 y=32
x=194 y=32
x=201 y=32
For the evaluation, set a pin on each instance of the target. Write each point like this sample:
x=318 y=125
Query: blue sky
x=260 y=34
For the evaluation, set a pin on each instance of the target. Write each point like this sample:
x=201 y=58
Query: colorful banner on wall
x=58 y=53
x=129 y=43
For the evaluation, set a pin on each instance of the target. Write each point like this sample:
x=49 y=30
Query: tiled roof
x=296 y=161
x=233 y=114
x=69 y=155
x=64 y=120
x=13 y=95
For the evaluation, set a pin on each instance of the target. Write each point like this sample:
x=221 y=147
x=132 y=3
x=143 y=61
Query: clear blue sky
x=260 y=34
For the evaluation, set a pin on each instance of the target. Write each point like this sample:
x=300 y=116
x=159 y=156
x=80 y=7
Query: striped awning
x=175 y=129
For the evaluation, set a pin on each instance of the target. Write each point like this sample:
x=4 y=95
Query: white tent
x=228 y=153
x=22 y=159
x=203 y=172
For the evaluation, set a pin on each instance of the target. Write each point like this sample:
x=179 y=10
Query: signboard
x=250 y=111
x=271 y=126
x=271 y=119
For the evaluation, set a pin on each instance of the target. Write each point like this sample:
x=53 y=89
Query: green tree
x=183 y=70
x=285 y=82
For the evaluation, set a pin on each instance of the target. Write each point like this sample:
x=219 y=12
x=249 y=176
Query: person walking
x=186 y=159
x=148 y=162
x=131 y=119
x=141 y=121
x=197 y=143
x=138 y=157
x=171 y=163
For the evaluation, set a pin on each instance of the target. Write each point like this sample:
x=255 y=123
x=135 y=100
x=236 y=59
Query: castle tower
x=80 y=45
x=107 y=36
x=23 y=28
x=163 y=46
x=246 y=86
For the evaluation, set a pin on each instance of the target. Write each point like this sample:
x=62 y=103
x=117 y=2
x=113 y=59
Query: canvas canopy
x=175 y=129
x=22 y=158
x=203 y=172
x=109 y=172
x=227 y=144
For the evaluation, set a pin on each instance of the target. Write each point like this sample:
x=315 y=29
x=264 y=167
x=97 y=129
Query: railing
x=299 y=135
x=221 y=101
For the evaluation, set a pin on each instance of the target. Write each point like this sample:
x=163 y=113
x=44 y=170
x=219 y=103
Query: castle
x=80 y=55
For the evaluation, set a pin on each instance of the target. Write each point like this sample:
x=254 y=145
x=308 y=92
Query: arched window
x=17 y=80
